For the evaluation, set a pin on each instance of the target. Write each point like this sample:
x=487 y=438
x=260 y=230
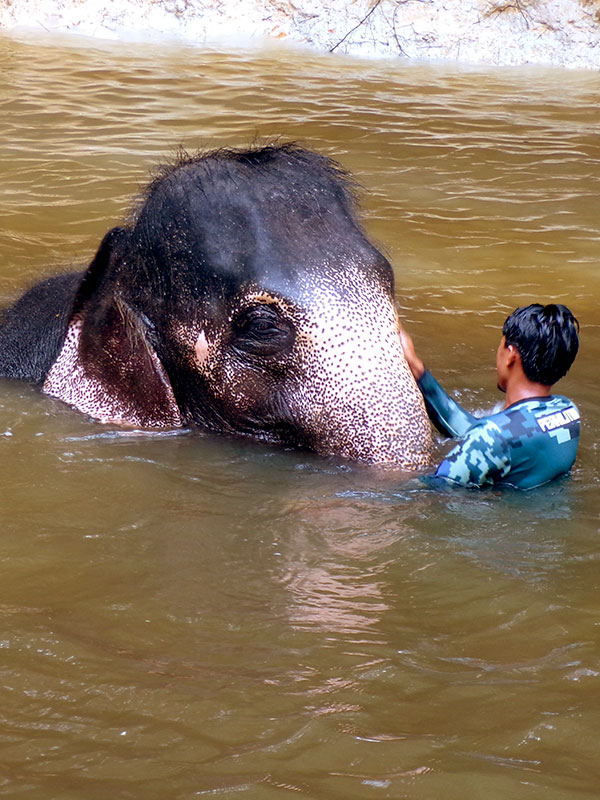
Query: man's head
x=545 y=338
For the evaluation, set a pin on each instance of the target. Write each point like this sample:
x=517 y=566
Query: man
x=534 y=438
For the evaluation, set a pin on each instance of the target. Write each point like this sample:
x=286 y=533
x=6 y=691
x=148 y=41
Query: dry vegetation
x=558 y=32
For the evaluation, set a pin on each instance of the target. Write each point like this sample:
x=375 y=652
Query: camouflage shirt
x=525 y=445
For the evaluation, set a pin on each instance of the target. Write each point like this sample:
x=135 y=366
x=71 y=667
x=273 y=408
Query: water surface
x=187 y=616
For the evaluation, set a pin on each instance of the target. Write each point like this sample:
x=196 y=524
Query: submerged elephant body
x=244 y=298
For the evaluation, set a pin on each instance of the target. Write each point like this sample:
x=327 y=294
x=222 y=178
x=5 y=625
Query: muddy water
x=183 y=616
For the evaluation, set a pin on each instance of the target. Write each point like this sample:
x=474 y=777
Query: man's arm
x=447 y=415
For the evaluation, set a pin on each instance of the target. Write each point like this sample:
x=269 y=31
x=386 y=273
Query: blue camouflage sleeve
x=483 y=457
x=447 y=415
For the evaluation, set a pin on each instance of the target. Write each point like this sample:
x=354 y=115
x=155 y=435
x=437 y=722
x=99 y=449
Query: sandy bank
x=558 y=32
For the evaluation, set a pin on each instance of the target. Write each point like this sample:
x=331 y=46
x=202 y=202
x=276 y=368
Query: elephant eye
x=262 y=330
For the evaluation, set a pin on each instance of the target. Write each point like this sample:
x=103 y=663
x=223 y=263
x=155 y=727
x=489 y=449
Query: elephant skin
x=242 y=297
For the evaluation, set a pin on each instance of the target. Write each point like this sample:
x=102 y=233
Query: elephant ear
x=107 y=367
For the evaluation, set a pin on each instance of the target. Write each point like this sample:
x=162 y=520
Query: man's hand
x=412 y=359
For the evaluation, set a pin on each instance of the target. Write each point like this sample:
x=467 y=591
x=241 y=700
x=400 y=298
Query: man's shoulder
x=535 y=415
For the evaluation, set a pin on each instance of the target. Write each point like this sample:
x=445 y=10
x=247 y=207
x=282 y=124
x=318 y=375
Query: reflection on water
x=186 y=615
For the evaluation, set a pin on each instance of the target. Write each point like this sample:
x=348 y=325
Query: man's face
x=501 y=364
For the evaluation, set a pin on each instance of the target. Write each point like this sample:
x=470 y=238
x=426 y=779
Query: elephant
x=241 y=296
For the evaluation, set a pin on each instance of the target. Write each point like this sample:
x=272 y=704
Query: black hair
x=546 y=338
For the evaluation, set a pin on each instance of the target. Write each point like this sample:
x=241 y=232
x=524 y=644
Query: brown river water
x=186 y=616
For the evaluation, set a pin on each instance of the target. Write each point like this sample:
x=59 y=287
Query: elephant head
x=245 y=298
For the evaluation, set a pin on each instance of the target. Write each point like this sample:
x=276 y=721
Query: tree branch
x=363 y=20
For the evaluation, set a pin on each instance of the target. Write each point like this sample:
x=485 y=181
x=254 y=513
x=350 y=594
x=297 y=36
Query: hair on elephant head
x=243 y=297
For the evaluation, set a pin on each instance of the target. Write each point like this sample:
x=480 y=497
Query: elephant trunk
x=358 y=398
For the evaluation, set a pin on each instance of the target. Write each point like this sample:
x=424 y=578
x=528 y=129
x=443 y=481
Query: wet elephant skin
x=243 y=297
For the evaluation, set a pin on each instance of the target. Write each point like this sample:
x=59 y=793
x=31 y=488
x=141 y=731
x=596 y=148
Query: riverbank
x=557 y=32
